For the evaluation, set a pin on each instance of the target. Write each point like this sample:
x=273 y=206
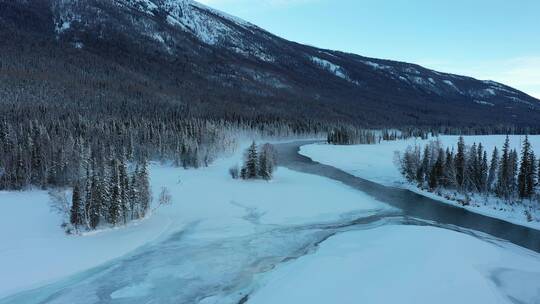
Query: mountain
x=212 y=64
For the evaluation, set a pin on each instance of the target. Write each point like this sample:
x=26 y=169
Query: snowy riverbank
x=376 y=163
x=34 y=249
x=231 y=241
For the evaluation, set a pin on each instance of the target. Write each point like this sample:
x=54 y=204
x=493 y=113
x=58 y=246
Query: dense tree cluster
x=352 y=136
x=97 y=150
x=109 y=195
x=259 y=163
x=470 y=170
x=42 y=145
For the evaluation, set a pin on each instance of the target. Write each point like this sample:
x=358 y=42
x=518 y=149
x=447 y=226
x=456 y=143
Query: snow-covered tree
x=76 y=214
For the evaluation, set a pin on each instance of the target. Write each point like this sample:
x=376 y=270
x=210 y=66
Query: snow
x=377 y=66
x=202 y=22
x=452 y=85
x=411 y=70
x=406 y=264
x=208 y=25
x=518 y=100
x=376 y=163
x=223 y=239
x=491 y=91
x=330 y=67
x=25 y=246
x=484 y=103
x=222 y=207
x=418 y=80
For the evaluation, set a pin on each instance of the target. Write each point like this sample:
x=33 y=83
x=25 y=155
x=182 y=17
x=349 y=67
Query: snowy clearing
x=221 y=206
x=376 y=163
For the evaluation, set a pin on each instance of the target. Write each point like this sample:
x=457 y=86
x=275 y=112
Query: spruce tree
x=75 y=211
x=460 y=162
x=114 y=205
x=471 y=172
x=525 y=170
x=267 y=161
x=449 y=170
x=484 y=172
x=503 y=181
x=145 y=193
x=437 y=171
x=124 y=190
x=264 y=166
x=134 y=195
x=426 y=166
x=512 y=184
x=251 y=162
x=531 y=179
x=493 y=168
x=95 y=203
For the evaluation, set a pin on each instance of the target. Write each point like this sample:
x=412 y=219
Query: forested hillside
x=214 y=65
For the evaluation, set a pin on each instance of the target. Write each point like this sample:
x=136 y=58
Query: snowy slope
x=195 y=52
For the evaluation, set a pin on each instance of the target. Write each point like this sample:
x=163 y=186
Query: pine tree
x=525 y=170
x=449 y=170
x=267 y=161
x=460 y=162
x=538 y=174
x=251 y=162
x=470 y=177
x=437 y=171
x=531 y=179
x=145 y=193
x=493 y=168
x=95 y=203
x=264 y=166
x=513 y=160
x=114 y=205
x=503 y=182
x=75 y=212
x=538 y=180
x=134 y=195
x=426 y=161
x=113 y=187
x=484 y=172
x=124 y=190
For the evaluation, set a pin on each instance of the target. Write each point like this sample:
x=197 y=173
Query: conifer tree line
x=111 y=195
x=352 y=136
x=43 y=145
x=349 y=135
x=259 y=163
x=471 y=169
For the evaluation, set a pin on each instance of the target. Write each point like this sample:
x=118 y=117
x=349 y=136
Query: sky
x=486 y=39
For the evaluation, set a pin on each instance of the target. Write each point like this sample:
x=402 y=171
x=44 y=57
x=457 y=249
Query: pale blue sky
x=486 y=39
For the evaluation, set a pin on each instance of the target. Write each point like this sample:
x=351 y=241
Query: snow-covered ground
x=297 y=239
x=376 y=163
x=406 y=264
x=34 y=249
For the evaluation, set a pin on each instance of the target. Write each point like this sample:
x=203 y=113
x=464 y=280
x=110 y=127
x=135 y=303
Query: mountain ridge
x=255 y=71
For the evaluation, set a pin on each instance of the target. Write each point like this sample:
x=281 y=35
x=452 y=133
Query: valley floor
x=377 y=163
x=299 y=238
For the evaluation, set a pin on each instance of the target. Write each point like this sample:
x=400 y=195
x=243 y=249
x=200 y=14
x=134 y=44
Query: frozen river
x=190 y=267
